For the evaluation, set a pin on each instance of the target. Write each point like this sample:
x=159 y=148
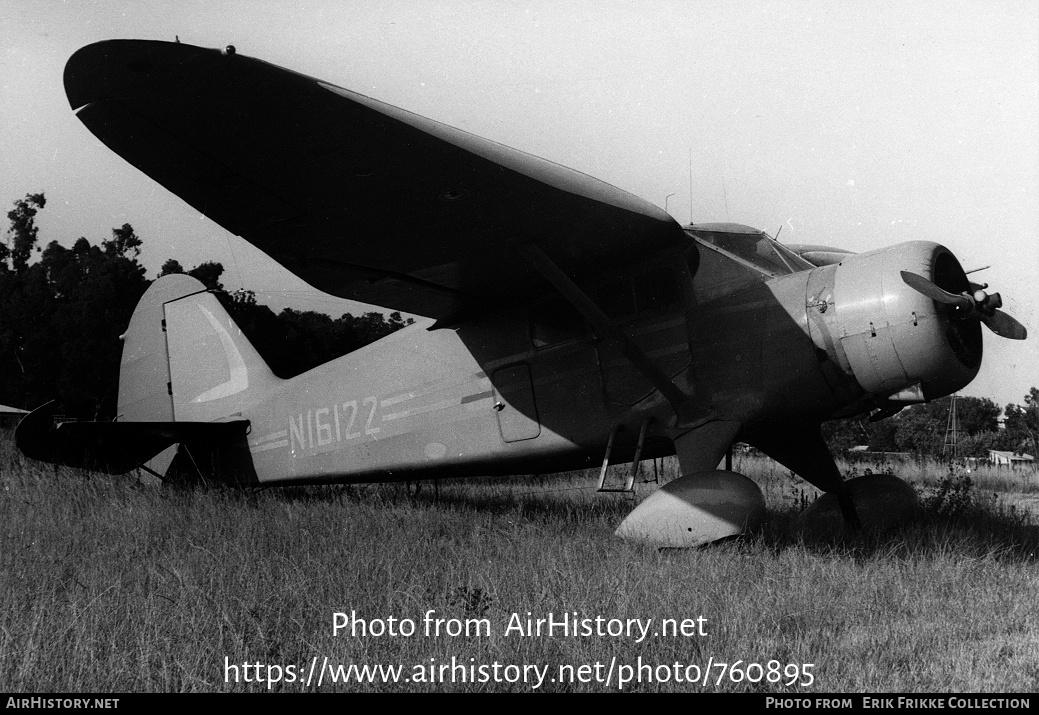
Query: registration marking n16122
x=340 y=422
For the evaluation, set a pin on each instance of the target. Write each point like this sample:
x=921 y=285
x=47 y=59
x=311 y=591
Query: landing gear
x=708 y=504
x=696 y=509
x=847 y=508
x=705 y=505
x=802 y=449
x=881 y=501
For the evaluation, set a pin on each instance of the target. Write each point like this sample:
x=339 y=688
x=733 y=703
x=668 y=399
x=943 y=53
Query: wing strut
x=680 y=401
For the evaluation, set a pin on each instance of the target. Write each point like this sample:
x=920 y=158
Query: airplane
x=572 y=323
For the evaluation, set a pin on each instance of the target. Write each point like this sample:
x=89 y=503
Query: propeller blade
x=1004 y=326
x=922 y=285
x=986 y=307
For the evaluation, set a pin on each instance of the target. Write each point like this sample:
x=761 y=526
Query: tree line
x=924 y=429
x=61 y=317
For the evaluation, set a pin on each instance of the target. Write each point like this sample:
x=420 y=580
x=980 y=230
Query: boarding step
x=628 y=482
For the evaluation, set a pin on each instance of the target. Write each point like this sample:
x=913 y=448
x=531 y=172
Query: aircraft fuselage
x=537 y=390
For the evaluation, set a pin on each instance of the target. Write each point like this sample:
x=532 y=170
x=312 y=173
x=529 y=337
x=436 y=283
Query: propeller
x=976 y=302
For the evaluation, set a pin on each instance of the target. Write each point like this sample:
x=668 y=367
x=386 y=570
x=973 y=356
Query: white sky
x=853 y=124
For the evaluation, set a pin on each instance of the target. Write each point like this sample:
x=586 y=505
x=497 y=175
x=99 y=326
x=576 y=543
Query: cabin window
x=719 y=275
x=757 y=249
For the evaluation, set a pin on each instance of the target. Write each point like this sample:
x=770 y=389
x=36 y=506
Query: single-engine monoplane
x=574 y=324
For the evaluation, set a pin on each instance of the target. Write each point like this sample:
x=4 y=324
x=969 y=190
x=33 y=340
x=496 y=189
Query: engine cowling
x=895 y=341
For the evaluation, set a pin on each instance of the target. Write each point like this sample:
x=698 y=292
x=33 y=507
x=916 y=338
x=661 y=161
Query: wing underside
x=361 y=199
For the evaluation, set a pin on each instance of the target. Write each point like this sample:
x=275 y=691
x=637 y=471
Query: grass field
x=110 y=585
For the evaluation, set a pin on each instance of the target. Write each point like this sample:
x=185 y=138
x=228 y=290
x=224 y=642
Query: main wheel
x=695 y=510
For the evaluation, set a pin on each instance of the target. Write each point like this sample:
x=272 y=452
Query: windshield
x=756 y=248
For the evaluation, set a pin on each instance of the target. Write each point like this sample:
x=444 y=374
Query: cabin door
x=517 y=411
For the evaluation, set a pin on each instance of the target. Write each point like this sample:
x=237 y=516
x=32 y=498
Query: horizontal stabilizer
x=114 y=447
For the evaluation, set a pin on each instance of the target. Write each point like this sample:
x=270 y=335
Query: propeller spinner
x=978 y=303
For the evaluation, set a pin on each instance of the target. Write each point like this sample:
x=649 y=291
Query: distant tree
x=209 y=273
x=974 y=414
x=1021 y=424
x=124 y=243
x=922 y=428
x=842 y=435
x=94 y=290
x=170 y=267
x=61 y=318
x=29 y=352
x=882 y=436
x=293 y=341
x=23 y=232
x=918 y=431
x=978 y=445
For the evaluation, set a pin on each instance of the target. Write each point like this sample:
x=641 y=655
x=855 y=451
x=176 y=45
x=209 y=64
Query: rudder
x=185 y=359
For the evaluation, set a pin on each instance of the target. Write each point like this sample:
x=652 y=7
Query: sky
x=857 y=125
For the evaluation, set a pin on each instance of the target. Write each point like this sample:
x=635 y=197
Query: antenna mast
x=690 y=187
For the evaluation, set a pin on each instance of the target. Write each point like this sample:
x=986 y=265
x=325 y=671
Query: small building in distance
x=11 y=416
x=1003 y=458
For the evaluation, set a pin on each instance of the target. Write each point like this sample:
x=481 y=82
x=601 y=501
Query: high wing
x=361 y=199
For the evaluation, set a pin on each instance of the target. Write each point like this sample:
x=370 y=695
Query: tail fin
x=186 y=376
x=185 y=359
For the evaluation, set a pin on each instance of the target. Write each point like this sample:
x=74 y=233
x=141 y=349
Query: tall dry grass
x=110 y=585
